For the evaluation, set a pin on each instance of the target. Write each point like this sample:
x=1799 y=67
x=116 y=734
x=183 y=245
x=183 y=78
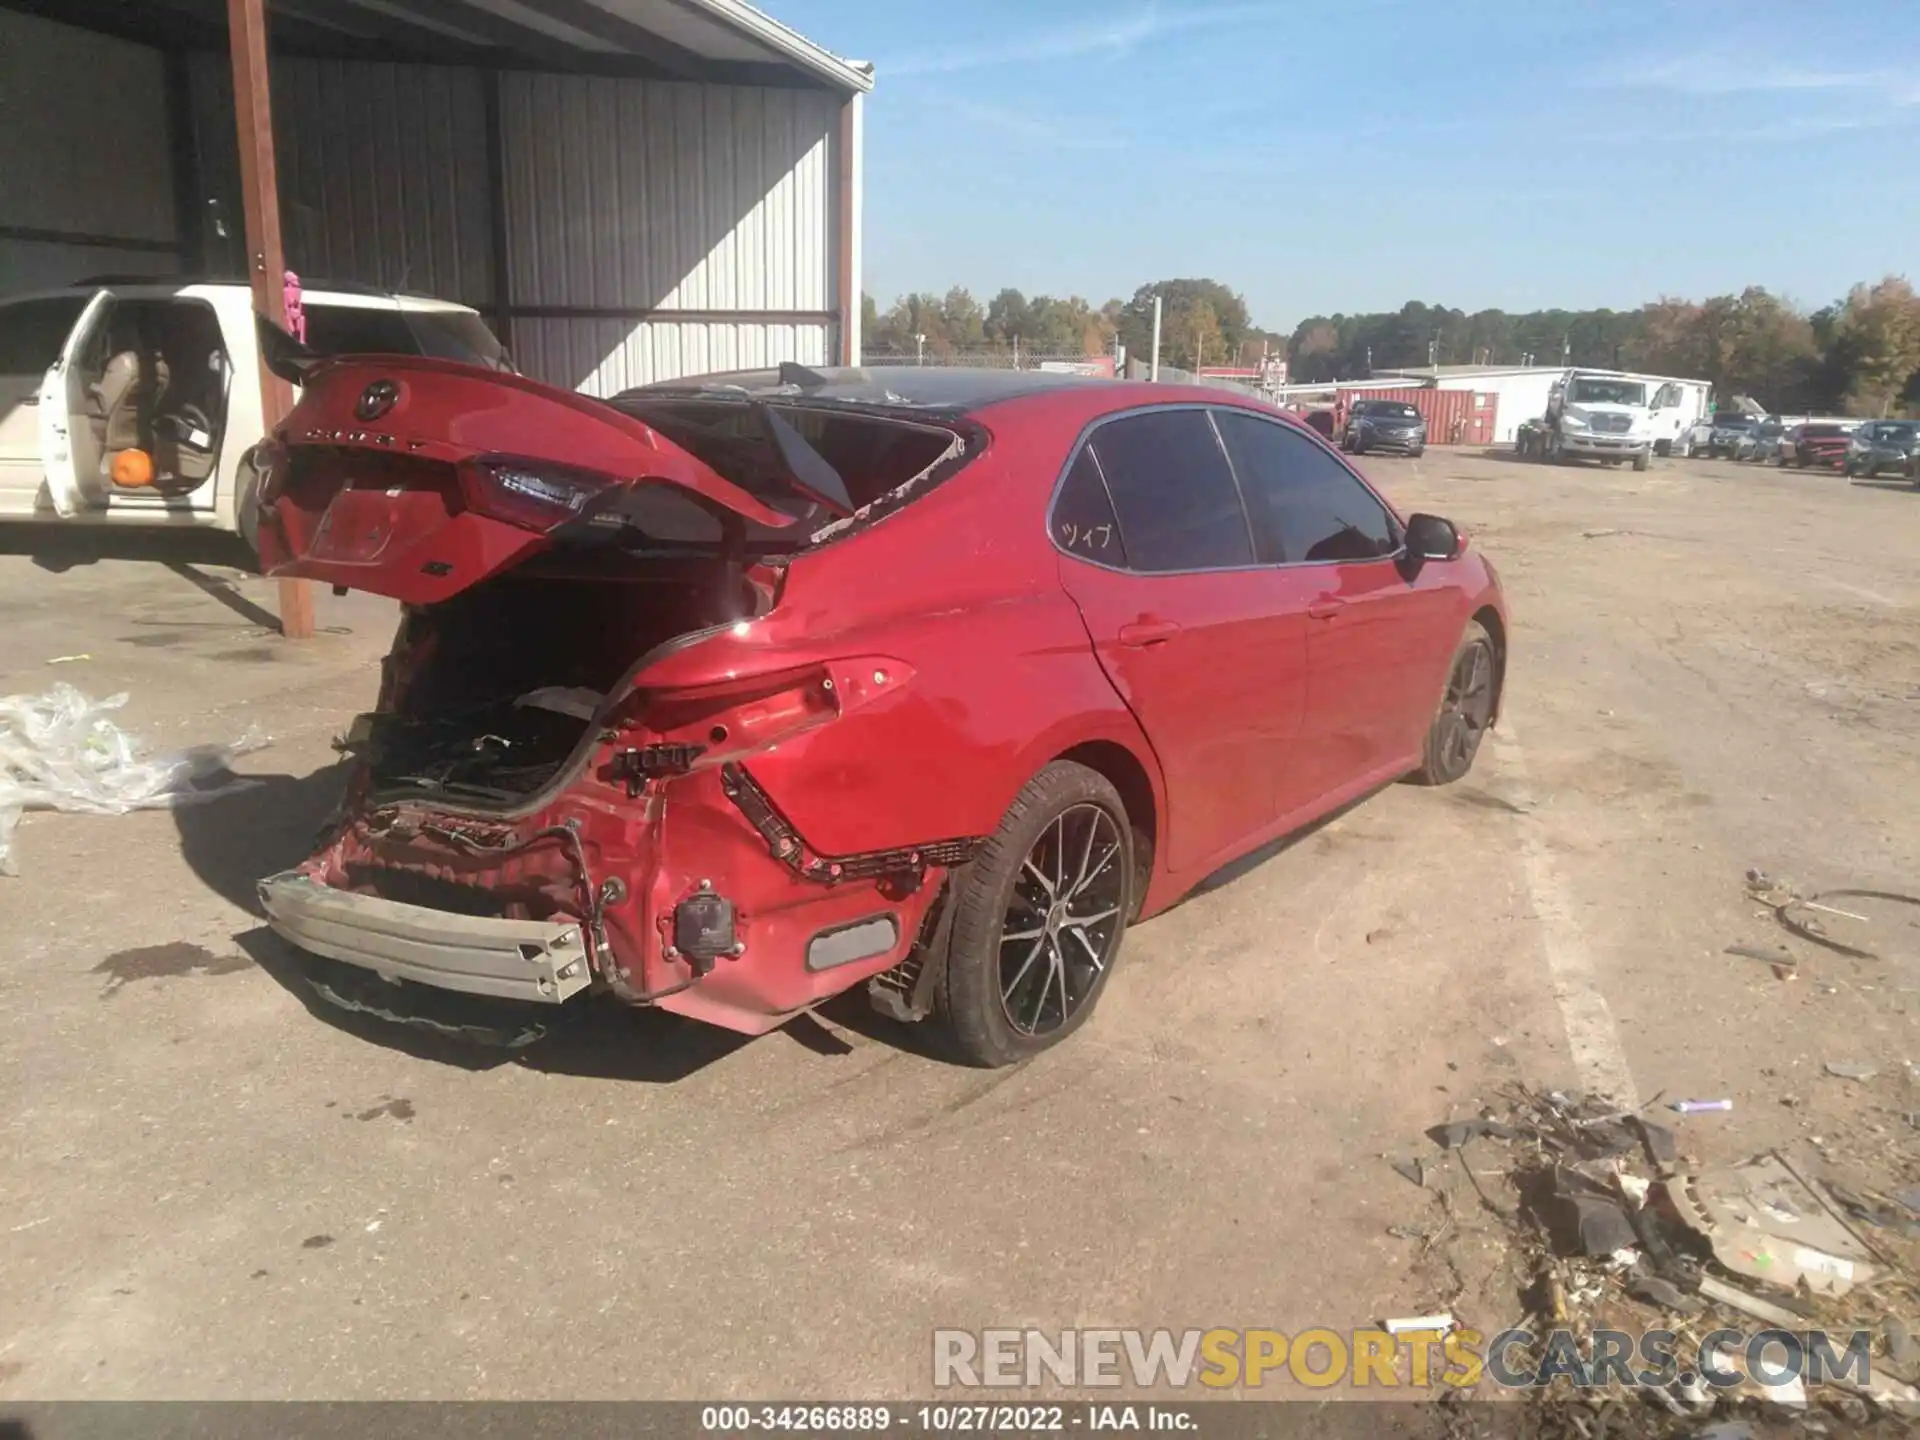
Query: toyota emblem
x=376 y=400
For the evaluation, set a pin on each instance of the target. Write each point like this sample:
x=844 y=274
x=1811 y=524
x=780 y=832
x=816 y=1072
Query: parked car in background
x=134 y=400
x=1882 y=445
x=1814 y=444
x=1727 y=432
x=731 y=694
x=1762 y=443
x=1384 y=425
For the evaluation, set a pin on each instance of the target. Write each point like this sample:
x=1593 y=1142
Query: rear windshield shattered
x=885 y=461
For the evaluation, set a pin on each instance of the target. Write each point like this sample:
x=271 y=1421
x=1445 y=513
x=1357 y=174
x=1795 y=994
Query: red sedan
x=1806 y=446
x=730 y=694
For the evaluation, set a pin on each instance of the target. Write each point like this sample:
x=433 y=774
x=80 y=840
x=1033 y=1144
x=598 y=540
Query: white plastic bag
x=59 y=751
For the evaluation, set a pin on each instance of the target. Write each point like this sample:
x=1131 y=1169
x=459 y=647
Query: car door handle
x=1326 y=607
x=1148 y=632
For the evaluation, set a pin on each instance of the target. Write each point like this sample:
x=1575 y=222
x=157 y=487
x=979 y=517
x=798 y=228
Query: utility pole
x=920 y=349
x=1016 y=352
x=266 y=258
x=1153 y=370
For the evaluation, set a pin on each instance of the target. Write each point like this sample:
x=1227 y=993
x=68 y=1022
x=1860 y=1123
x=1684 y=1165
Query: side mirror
x=1431 y=538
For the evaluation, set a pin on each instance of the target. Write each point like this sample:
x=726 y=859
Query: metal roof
x=725 y=42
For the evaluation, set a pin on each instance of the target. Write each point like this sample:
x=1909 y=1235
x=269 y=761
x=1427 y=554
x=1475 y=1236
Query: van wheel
x=1040 y=919
x=246 y=503
x=1466 y=711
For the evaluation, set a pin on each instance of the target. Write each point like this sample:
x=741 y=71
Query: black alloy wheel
x=1466 y=710
x=1061 y=921
x=1041 y=915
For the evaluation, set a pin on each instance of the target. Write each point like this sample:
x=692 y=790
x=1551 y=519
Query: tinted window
x=1388 y=409
x=456 y=335
x=1177 y=504
x=32 y=333
x=351 y=330
x=1083 y=521
x=1306 y=505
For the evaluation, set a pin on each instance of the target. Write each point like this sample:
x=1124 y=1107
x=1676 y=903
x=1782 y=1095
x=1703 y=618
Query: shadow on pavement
x=232 y=842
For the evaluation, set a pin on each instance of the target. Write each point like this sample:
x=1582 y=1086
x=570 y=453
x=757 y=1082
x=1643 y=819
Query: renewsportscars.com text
x=1420 y=1359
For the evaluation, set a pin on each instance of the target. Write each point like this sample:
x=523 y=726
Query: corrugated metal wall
x=604 y=357
x=627 y=197
x=83 y=150
x=383 y=172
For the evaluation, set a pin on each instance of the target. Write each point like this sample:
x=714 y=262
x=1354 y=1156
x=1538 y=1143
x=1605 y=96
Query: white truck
x=1592 y=415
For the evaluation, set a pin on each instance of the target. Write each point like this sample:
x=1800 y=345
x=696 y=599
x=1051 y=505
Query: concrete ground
x=211 y=1187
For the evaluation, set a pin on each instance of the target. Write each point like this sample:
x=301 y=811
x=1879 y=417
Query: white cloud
x=1114 y=36
x=1720 y=74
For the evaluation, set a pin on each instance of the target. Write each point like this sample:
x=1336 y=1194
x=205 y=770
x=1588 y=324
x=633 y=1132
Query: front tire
x=1640 y=461
x=1042 y=911
x=1466 y=710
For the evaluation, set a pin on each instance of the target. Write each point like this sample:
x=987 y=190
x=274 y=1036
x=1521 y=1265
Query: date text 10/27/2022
x=945 y=1419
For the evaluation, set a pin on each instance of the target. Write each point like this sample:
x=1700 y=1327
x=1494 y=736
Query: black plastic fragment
x=1663 y=1295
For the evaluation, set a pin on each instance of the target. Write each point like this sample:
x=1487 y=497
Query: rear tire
x=1466 y=710
x=246 y=504
x=1044 y=870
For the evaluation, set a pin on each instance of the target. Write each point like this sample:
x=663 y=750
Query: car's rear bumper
x=544 y=961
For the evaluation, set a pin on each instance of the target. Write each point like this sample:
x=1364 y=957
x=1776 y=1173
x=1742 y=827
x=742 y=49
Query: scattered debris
x=1788 y=904
x=1411 y=1324
x=1847 y=1070
x=68 y=659
x=1763 y=1221
x=1610 y=1219
x=59 y=751
x=1716 y=1289
x=1699 y=1107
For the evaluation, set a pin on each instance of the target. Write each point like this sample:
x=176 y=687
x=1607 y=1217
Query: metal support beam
x=846 y=229
x=500 y=261
x=266 y=257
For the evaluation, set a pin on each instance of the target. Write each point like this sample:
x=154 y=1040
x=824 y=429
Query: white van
x=162 y=376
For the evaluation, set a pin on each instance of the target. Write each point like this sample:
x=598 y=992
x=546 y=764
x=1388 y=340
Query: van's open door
x=68 y=450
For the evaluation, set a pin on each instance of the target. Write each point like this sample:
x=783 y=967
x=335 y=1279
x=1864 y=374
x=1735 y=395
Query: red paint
x=965 y=653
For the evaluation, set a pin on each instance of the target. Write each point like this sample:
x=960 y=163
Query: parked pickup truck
x=134 y=400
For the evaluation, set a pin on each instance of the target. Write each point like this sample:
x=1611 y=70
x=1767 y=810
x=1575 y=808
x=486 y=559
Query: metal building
x=630 y=190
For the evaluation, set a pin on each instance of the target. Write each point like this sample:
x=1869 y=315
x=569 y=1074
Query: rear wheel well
x=1489 y=619
x=1123 y=770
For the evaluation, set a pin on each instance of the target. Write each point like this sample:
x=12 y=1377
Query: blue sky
x=1354 y=154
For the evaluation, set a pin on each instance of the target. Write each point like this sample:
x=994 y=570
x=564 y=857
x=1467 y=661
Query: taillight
x=535 y=496
x=731 y=721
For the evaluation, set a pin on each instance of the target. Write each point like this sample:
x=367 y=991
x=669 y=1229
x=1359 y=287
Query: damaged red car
x=730 y=694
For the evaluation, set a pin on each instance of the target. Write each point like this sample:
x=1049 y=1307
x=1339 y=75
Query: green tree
x=1878 y=341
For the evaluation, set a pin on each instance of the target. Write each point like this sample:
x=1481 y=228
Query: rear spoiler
x=290 y=359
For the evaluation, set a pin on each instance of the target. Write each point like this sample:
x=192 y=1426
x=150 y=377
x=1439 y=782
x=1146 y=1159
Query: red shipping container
x=1454 y=417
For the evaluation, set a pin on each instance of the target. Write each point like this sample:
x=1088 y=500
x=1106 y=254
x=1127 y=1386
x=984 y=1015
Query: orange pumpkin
x=132 y=469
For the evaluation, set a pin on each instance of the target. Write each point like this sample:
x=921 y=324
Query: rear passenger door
x=1377 y=644
x=1206 y=646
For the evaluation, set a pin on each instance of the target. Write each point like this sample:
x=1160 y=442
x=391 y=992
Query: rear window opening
x=497 y=687
x=879 y=457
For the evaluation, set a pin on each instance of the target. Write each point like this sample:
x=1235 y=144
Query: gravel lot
x=209 y=1188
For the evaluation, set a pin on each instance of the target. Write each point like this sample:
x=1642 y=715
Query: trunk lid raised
x=416 y=478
